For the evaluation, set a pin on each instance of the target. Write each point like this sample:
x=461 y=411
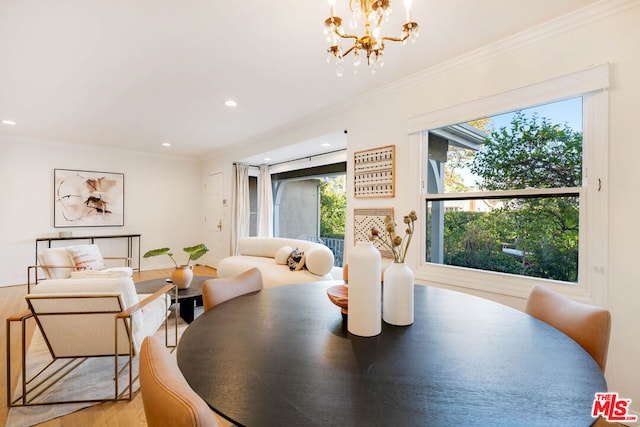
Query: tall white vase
x=365 y=294
x=397 y=295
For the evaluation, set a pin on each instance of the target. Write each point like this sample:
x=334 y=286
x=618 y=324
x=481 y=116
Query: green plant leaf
x=196 y=251
x=155 y=252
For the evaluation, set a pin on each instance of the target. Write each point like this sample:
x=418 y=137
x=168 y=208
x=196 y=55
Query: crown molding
x=546 y=30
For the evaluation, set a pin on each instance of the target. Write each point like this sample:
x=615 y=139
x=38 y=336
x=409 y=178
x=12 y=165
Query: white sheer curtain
x=240 y=218
x=265 y=209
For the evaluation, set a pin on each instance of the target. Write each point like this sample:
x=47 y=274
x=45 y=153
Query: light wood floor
x=120 y=414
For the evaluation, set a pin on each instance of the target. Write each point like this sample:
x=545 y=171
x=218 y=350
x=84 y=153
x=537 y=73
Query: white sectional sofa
x=269 y=255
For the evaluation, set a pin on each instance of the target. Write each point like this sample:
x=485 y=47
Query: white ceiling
x=136 y=73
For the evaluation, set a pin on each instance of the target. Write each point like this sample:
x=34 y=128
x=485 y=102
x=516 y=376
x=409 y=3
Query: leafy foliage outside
x=333 y=208
x=532 y=152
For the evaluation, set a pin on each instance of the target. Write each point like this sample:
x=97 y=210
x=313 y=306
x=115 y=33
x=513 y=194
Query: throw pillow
x=319 y=260
x=86 y=257
x=296 y=260
x=56 y=257
x=282 y=255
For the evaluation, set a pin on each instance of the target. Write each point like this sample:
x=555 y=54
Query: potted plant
x=183 y=274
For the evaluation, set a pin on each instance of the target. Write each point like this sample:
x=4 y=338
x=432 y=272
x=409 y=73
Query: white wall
x=163 y=199
x=606 y=33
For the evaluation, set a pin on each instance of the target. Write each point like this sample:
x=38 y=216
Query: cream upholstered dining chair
x=588 y=325
x=167 y=398
x=217 y=291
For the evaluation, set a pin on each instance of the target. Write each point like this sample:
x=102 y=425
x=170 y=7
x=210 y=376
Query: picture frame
x=84 y=198
x=374 y=172
x=367 y=218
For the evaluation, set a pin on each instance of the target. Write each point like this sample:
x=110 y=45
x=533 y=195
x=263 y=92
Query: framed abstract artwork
x=365 y=220
x=374 y=172
x=87 y=198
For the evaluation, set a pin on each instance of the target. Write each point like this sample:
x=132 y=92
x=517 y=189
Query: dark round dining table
x=280 y=357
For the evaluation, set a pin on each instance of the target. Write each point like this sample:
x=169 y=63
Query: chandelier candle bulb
x=407 y=8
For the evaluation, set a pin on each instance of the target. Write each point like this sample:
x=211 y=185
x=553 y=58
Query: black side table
x=187 y=298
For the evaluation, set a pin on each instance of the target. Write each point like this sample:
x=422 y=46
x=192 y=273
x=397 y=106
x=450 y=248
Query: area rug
x=93 y=379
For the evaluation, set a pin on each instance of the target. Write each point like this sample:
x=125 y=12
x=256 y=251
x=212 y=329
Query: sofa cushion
x=86 y=257
x=260 y=252
x=122 y=286
x=282 y=255
x=295 y=261
x=59 y=257
x=272 y=273
x=319 y=260
x=268 y=246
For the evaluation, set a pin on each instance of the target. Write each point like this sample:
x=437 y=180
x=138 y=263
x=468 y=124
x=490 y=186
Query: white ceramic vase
x=365 y=307
x=182 y=276
x=397 y=295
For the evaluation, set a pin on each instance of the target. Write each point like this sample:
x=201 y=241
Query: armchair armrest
x=157 y=294
x=127 y=315
x=36 y=267
x=19 y=317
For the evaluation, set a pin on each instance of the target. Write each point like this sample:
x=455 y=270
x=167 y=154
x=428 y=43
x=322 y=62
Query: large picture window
x=514 y=189
x=504 y=192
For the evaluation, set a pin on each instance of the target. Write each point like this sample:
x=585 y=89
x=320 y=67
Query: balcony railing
x=336 y=245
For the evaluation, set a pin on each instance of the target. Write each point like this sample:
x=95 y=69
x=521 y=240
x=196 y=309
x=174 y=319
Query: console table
x=92 y=239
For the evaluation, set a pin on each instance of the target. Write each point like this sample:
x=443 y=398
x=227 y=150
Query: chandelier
x=374 y=13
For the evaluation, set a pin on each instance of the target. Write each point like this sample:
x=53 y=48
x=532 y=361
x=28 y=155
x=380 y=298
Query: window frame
x=592 y=84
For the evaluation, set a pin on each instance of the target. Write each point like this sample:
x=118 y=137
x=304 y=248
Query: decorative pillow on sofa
x=319 y=260
x=56 y=257
x=86 y=257
x=282 y=255
x=296 y=260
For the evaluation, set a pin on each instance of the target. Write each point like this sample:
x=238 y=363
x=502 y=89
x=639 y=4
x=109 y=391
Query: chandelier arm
x=347 y=36
x=371 y=43
x=348 y=51
x=396 y=39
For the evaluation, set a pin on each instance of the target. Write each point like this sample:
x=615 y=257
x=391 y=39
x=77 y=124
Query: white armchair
x=65 y=262
x=81 y=318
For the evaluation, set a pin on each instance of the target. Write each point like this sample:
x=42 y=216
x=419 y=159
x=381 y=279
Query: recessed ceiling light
x=8 y=122
x=166 y=144
x=267 y=159
x=230 y=103
x=325 y=144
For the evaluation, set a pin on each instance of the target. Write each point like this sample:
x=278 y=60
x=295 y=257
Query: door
x=214 y=217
